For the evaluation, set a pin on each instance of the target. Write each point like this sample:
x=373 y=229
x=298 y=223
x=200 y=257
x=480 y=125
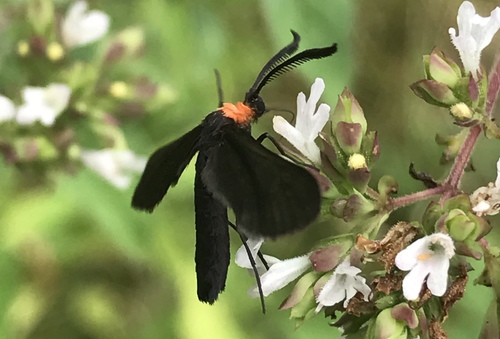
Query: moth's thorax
x=239 y=112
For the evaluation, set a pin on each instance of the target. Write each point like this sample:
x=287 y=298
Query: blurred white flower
x=242 y=259
x=309 y=122
x=80 y=27
x=428 y=257
x=281 y=274
x=7 y=109
x=116 y=166
x=43 y=104
x=475 y=33
x=486 y=200
x=343 y=285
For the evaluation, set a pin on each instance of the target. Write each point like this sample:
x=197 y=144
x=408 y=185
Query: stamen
x=424 y=256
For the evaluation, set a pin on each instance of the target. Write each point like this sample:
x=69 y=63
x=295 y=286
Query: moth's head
x=255 y=102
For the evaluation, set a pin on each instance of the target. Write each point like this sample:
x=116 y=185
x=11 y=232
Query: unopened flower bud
x=348 y=110
x=119 y=89
x=434 y=92
x=23 y=48
x=54 y=51
x=461 y=111
x=441 y=68
x=387 y=327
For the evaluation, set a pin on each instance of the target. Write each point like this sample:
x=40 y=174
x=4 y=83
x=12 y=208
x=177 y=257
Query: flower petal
x=57 y=96
x=290 y=133
x=412 y=283
x=360 y=285
x=332 y=293
x=281 y=274
x=7 y=109
x=407 y=258
x=437 y=282
x=241 y=257
x=475 y=33
x=111 y=165
x=80 y=28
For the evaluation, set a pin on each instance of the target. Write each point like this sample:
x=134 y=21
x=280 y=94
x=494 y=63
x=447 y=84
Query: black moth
x=270 y=196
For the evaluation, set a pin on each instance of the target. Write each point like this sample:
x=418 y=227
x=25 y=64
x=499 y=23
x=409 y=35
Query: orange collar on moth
x=240 y=113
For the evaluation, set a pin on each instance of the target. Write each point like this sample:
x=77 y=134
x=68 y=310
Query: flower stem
x=414 y=197
x=461 y=161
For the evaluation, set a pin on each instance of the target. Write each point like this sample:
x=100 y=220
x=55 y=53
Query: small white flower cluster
x=116 y=166
x=486 y=200
x=342 y=285
x=427 y=261
x=43 y=104
x=80 y=27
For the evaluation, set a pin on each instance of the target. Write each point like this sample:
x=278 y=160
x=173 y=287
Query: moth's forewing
x=270 y=196
x=212 y=238
x=163 y=170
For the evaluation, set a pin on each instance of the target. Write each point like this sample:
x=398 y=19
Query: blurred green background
x=77 y=262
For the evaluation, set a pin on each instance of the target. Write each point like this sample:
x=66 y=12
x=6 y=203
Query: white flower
x=309 y=123
x=475 y=33
x=115 y=166
x=7 y=109
x=80 y=27
x=343 y=285
x=43 y=104
x=486 y=200
x=242 y=259
x=281 y=274
x=428 y=257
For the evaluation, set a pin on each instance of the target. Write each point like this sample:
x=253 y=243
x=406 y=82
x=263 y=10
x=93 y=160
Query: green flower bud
x=442 y=69
x=305 y=309
x=386 y=327
x=387 y=185
x=431 y=216
x=459 y=226
x=348 y=110
x=405 y=313
x=125 y=44
x=301 y=288
x=434 y=92
x=453 y=144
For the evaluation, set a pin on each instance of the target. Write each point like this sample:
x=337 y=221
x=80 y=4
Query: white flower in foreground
x=80 y=27
x=116 y=166
x=309 y=122
x=242 y=259
x=486 y=200
x=343 y=284
x=43 y=104
x=475 y=33
x=428 y=257
x=7 y=109
x=281 y=274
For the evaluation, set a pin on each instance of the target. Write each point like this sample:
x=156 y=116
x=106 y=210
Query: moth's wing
x=270 y=196
x=212 y=239
x=163 y=170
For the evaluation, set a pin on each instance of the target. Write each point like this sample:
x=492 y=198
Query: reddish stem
x=414 y=197
x=461 y=161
